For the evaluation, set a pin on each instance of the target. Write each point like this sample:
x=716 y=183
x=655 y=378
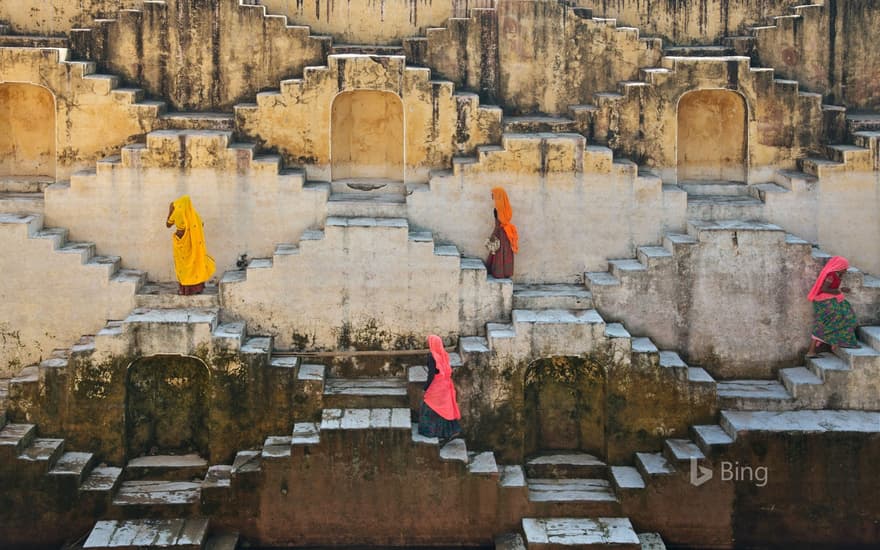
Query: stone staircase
x=839 y=380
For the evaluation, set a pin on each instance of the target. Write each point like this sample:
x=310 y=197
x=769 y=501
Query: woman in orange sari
x=504 y=242
x=192 y=264
x=439 y=413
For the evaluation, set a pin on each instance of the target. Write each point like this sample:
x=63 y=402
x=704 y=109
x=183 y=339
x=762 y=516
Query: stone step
x=509 y=541
x=229 y=541
x=22 y=203
x=711 y=437
x=626 y=478
x=483 y=464
x=651 y=541
x=366 y=205
x=862 y=122
x=570 y=490
x=455 y=451
x=565 y=464
x=15 y=438
x=804 y=386
x=178 y=533
x=197 y=121
x=698 y=51
x=368 y=186
x=103 y=480
x=72 y=468
x=559 y=533
x=357 y=393
x=42 y=454
x=163 y=295
x=737 y=423
x=870 y=335
x=551 y=296
x=714 y=188
x=166 y=468
x=724 y=207
x=681 y=450
x=754 y=395
x=538 y=124
x=828 y=367
x=21 y=41
x=157 y=499
x=365 y=49
x=246 y=462
x=366 y=419
x=653 y=464
x=25 y=184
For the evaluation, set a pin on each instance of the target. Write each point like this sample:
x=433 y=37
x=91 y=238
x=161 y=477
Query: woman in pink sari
x=439 y=413
x=834 y=323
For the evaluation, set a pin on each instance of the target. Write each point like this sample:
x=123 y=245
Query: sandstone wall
x=371 y=22
x=573 y=208
x=92 y=117
x=298 y=120
x=830 y=50
x=690 y=21
x=49 y=298
x=57 y=17
x=550 y=57
x=246 y=205
x=223 y=52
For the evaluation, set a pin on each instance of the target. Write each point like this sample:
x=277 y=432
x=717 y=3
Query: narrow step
x=163 y=295
x=74 y=466
x=365 y=393
x=366 y=419
x=365 y=49
x=753 y=394
x=724 y=207
x=167 y=468
x=653 y=464
x=198 y=121
x=804 y=421
x=698 y=51
x=714 y=188
x=15 y=438
x=155 y=494
x=710 y=437
x=682 y=450
x=565 y=465
x=626 y=478
x=537 y=124
x=551 y=296
x=103 y=479
x=557 y=533
x=570 y=490
x=183 y=534
x=43 y=453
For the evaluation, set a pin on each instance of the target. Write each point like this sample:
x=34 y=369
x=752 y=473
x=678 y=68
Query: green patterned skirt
x=835 y=323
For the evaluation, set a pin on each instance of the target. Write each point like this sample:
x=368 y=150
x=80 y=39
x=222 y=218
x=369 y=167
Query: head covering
x=192 y=264
x=440 y=395
x=505 y=213
x=837 y=263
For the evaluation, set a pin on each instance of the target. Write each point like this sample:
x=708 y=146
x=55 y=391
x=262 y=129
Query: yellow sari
x=192 y=264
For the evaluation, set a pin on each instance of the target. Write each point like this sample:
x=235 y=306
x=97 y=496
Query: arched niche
x=712 y=136
x=166 y=402
x=367 y=136
x=564 y=405
x=27 y=131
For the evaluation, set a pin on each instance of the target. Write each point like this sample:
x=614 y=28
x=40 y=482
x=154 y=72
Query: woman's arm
x=826 y=287
x=168 y=221
x=432 y=370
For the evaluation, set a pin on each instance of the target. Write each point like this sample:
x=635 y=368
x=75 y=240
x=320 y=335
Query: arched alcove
x=367 y=135
x=27 y=130
x=564 y=405
x=166 y=406
x=712 y=136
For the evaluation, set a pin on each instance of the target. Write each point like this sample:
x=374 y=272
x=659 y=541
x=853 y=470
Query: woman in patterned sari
x=835 y=323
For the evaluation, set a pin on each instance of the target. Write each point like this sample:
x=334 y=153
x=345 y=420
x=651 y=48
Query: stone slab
x=513 y=476
x=305 y=433
x=805 y=421
x=483 y=463
x=157 y=493
x=454 y=450
x=652 y=464
x=580 y=533
x=627 y=477
x=570 y=490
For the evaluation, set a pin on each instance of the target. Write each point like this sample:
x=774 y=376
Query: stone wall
x=567 y=203
x=690 y=21
x=362 y=283
x=368 y=21
x=224 y=52
x=829 y=49
x=48 y=298
x=57 y=17
x=92 y=117
x=437 y=123
x=246 y=204
x=571 y=57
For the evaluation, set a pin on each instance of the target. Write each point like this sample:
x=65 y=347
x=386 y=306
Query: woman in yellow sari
x=192 y=264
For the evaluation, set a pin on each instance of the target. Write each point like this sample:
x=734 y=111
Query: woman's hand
x=168 y=222
x=845 y=289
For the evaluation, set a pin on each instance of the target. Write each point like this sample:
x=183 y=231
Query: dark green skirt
x=835 y=323
x=432 y=424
